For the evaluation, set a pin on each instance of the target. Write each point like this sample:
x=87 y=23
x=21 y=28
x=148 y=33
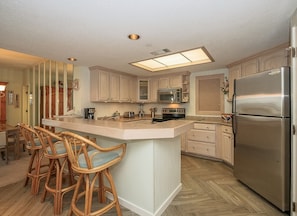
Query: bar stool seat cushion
x=59 y=146
x=36 y=141
x=97 y=158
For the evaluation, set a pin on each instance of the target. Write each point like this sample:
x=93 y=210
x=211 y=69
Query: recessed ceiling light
x=175 y=60
x=72 y=59
x=133 y=36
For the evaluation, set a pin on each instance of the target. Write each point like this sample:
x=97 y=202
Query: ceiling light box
x=180 y=59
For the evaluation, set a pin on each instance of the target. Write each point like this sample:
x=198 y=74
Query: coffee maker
x=89 y=113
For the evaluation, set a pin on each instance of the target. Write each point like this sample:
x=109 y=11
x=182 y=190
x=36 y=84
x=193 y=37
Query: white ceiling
x=95 y=31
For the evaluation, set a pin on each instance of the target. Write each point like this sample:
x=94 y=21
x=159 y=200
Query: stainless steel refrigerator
x=262 y=134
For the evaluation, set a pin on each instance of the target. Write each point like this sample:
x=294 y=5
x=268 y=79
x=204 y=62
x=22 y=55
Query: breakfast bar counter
x=149 y=176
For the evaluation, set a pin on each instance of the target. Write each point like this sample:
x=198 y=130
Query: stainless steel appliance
x=173 y=95
x=261 y=126
x=170 y=114
x=89 y=113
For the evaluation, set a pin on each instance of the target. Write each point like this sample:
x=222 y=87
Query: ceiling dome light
x=133 y=36
x=72 y=59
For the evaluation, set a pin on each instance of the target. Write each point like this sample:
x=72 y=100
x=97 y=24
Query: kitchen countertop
x=209 y=120
x=136 y=129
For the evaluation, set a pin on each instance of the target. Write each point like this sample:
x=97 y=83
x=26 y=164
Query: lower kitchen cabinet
x=210 y=140
x=227 y=145
x=201 y=140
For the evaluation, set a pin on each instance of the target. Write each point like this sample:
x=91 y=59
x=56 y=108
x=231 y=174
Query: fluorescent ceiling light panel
x=181 y=59
x=174 y=59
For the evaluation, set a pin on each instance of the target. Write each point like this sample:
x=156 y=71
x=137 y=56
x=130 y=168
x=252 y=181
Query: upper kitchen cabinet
x=274 y=60
x=250 y=67
x=109 y=86
x=266 y=60
x=154 y=85
x=143 y=90
x=174 y=81
x=99 y=85
x=127 y=88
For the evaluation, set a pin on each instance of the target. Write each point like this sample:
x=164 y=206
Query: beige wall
x=15 y=78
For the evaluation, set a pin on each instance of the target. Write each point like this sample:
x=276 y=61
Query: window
x=209 y=97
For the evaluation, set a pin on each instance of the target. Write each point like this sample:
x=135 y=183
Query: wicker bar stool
x=36 y=169
x=92 y=162
x=54 y=150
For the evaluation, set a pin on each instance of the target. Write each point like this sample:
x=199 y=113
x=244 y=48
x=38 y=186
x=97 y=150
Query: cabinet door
x=234 y=73
x=164 y=82
x=94 y=86
x=114 y=88
x=227 y=145
x=124 y=88
x=103 y=93
x=143 y=90
x=274 y=60
x=132 y=89
x=153 y=90
x=175 y=81
x=201 y=148
x=202 y=135
x=250 y=67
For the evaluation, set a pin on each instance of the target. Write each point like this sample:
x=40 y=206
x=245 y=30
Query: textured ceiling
x=95 y=31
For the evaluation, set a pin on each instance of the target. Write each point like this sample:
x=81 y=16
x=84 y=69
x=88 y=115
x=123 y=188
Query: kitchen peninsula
x=149 y=176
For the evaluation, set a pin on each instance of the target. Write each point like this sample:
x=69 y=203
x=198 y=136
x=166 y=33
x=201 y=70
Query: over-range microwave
x=172 y=95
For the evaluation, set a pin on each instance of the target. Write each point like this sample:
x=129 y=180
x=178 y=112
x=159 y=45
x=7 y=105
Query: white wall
x=82 y=96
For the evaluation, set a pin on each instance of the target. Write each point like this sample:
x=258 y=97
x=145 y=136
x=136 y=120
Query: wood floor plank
x=209 y=189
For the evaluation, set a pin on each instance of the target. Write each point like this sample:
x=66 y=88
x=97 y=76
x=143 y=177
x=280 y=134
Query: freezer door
x=266 y=93
x=262 y=157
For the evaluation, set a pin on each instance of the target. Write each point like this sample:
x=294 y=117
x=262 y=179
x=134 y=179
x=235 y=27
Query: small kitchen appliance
x=262 y=130
x=89 y=113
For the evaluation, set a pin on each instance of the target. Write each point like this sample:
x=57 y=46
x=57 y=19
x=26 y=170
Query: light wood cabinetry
x=250 y=67
x=127 y=88
x=201 y=140
x=173 y=81
x=214 y=141
x=186 y=88
x=109 y=86
x=153 y=89
x=114 y=87
x=227 y=144
x=269 y=59
x=274 y=60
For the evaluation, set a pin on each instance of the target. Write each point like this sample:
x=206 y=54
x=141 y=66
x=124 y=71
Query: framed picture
x=10 y=98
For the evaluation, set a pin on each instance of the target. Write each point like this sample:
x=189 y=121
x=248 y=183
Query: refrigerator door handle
x=234 y=112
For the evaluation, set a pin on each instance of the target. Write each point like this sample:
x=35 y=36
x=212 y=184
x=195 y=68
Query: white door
x=294 y=109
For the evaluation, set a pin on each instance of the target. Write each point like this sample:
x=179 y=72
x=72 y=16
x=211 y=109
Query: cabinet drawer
x=202 y=135
x=201 y=148
x=204 y=126
x=226 y=129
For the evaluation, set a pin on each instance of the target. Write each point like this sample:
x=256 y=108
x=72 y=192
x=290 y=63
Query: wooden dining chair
x=92 y=162
x=38 y=167
x=3 y=146
x=12 y=140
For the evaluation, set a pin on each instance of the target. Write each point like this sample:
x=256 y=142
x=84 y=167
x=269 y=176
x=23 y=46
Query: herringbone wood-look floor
x=209 y=189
